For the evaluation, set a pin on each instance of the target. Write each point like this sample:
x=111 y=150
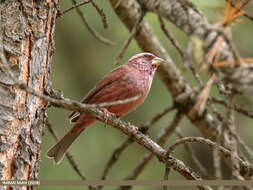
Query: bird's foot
x=107 y=114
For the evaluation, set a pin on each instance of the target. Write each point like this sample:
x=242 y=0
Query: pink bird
x=132 y=79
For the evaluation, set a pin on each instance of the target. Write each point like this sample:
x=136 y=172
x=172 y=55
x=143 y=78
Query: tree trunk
x=27 y=29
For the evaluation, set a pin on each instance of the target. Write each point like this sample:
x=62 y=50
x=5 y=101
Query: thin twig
x=101 y=13
x=134 y=30
x=230 y=139
x=140 y=167
x=119 y=150
x=187 y=61
x=115 y=156
x=217 y=166
x=173 y=41
x=236 y=135
x=249 y=16
x=68 y=155
x=217 y=163
x=237 y=108
x=158 y=116
x=200 y=106
x=166 y=177
x=193 y=156
x=95 y=5
x=75 y=6
x=208 y=142
x=91 y=29
x=217 y=160
x=161 y=140
x=245 y=14
x=228 y=41
x=170 y=129
x=185 y=55
x=244 y=145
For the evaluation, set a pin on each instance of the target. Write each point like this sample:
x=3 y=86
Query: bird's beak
x=157 y=61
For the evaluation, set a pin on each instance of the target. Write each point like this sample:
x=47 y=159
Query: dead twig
x=245 y=14
x=185 y=55
x=134 y=30
x=193 y=156
x=208 y=142
x=217 y=160
x=79 y=4
x=166 y=177
x=237 y=108
x=90 y=28
x=114 y=158
x=120 y=149
x=101 y=13
x=69 y=156
x=161 y=140
x=158 y=116
x=173 y=41
x=223 y=34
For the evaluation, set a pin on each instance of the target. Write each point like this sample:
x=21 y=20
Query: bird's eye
x=147 y=56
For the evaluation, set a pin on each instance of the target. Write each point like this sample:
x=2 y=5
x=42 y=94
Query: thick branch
x=182 y=13
x=225 y=152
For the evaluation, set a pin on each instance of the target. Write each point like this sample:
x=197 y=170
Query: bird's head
x=145 y=62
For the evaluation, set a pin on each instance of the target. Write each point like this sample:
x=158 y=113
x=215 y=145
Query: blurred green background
x=80 y=61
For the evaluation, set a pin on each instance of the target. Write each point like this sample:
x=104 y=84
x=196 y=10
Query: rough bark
x=27 y=29
x=182 y=13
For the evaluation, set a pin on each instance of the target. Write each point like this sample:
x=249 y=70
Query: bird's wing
x=108 y=80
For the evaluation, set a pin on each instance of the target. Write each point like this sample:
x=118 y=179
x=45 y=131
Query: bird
x=133 y=78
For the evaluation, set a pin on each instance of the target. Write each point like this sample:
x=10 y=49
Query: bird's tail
x=58 y=151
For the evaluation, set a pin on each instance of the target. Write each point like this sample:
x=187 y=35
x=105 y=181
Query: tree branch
x=193 y=156
x=91 y=29
x=124 y=127
x=221 y=149
x=193 y=23
x=134 y=30
x=161 y=140
x=74 y=6
x=237 y=108
x=68 y=155
x=119 y=150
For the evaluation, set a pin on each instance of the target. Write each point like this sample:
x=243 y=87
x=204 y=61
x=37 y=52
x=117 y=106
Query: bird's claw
x=107 y=114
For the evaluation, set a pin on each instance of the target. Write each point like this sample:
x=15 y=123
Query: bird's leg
x=107 y=114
